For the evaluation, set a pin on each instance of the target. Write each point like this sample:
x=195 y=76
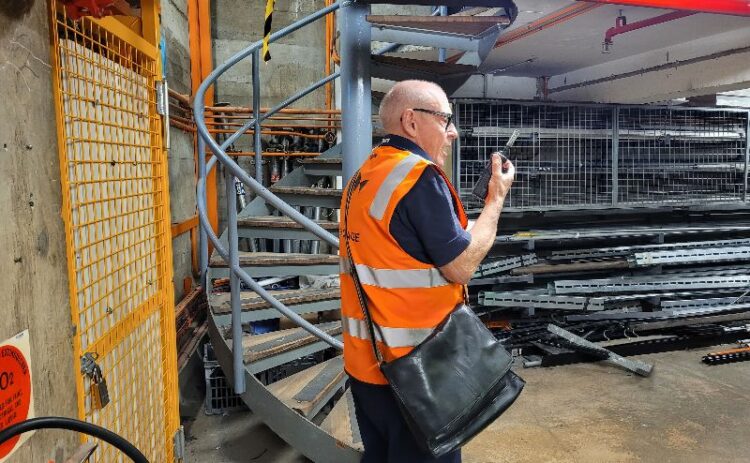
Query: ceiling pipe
x=730 y=7
x=621 y=26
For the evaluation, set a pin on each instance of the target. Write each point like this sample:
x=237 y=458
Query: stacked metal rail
x=687 y=283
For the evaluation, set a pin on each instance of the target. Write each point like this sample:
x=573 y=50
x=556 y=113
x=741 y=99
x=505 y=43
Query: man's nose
x=452 y=131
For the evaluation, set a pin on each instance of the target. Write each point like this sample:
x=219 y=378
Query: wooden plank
x=272 y=259
x=220 y=303
x=304 y=190
x=464 y=25
x=266 y=345
x=303 y=391
x=341 y=423
x=274 y=221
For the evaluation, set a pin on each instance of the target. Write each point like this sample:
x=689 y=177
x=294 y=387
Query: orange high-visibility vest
x=407 y=298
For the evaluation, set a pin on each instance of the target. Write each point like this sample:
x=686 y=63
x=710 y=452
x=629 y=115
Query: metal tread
x=262 y=346
x=307 y=391
x=320 y=160
x=221 y=304
x=306 y=190
x=342 y=425
x=272 y=259
x=471 y=26
x=308 y=196
x=282 y=222
x=323 y=166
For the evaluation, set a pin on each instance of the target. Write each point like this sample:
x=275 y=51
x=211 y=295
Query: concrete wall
x=181 y=157
x=34 y=287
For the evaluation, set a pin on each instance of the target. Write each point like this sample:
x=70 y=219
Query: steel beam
x=636 y=366
x=730 y=7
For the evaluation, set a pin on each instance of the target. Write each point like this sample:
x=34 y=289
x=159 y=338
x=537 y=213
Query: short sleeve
x=425 y=223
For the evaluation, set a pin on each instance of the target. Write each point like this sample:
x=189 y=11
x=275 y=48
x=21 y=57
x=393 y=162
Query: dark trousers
x=384 y=432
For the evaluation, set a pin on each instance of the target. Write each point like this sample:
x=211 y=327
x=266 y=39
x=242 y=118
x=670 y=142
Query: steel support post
x=203 y=241
x=356 y=96
x=747 y=155
x=234 y=284
x=615 y=154
x=442 y=53
x=256 y=116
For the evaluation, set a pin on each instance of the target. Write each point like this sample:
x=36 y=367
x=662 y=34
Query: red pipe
x=733 y=7
x=621 y=27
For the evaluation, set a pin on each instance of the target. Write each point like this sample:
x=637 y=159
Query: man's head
x=419 y=110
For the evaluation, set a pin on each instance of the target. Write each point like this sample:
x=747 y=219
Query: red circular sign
x=15 y=392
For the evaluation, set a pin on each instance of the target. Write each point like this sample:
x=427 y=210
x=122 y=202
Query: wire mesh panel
x=685 y=156
x=116 y=213
x=562 y=155
x=577 y=157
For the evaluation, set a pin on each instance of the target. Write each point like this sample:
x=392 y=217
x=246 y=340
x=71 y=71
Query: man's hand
x=503 y=174
x=461 y=269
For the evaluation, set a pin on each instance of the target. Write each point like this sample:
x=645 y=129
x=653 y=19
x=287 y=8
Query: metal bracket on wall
x=179 y=444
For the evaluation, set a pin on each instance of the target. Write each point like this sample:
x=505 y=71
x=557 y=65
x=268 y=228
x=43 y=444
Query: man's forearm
x=461 y=269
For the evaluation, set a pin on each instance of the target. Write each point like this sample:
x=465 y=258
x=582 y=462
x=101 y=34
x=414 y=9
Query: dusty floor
x=237 y=437
x=685 y=412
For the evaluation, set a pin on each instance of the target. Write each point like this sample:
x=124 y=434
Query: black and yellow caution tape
x=267 y=29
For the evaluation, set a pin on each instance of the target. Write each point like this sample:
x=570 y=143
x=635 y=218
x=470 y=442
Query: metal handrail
x=232 y=169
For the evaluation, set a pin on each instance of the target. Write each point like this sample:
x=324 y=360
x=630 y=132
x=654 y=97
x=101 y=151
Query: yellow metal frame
x=115 y=206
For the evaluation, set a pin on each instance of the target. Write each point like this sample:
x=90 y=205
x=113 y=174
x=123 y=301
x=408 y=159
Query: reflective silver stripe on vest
x=394 y=179
x=394 y=279
x=392 y=337
x=386 y=278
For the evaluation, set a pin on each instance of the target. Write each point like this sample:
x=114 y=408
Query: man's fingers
x=510 y=169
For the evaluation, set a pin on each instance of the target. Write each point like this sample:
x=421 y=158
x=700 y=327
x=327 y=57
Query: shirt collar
x=404 y=144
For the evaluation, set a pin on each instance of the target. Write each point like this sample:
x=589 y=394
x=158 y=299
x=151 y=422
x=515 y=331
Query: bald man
x=407 y=234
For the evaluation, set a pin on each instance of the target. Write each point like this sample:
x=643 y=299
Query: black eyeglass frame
x=447 y=116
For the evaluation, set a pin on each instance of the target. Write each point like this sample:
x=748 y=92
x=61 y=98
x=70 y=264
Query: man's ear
x=409 y=123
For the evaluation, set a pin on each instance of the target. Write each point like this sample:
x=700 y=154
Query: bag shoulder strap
x=353 y=269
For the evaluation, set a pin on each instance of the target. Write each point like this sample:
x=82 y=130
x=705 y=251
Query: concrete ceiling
x=576 y=43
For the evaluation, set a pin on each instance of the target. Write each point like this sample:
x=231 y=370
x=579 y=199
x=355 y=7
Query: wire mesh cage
x=681 y=156
x=592 y=156
x=220 y=397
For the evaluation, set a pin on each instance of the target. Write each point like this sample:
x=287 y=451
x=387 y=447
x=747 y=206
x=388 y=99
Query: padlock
x=98 y=389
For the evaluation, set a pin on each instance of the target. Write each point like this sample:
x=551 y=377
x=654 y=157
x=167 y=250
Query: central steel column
x=356 y=96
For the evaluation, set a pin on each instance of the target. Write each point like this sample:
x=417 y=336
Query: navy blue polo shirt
x=425 y=223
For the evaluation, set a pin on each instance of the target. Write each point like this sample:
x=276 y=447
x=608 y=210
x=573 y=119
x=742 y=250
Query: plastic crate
x=220 y=397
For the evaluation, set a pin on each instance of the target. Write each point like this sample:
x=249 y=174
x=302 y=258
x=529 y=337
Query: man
x=413 y=255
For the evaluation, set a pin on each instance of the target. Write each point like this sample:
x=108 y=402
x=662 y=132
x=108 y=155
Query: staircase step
x=282 y=227
x=264 y=351
x=440 y=26
x=449 y=76
x=272 y=264
x=449 y=3
x=322 y=166
x=309 y=390
x=309 y=196
x=341 y=423
x=255 y=308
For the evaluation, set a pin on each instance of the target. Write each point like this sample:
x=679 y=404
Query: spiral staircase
x=291 y=229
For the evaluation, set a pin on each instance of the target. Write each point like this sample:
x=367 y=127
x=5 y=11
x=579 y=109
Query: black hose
x=58 y=422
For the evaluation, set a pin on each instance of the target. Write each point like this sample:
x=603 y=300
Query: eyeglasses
x=447 y=116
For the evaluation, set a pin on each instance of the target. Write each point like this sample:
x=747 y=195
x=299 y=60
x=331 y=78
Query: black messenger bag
x=454 y=383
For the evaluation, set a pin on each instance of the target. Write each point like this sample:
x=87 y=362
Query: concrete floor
x=237 y=437
x=684 y=412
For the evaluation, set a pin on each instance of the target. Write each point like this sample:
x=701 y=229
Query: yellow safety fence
x=116 y=212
